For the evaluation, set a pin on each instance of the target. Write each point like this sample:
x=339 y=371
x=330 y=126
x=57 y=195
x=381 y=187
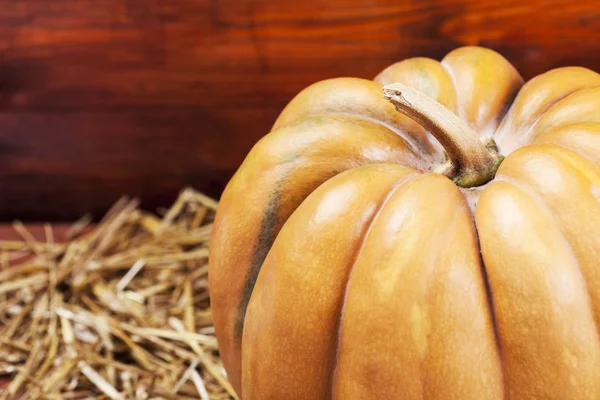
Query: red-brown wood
x=59 y=230
x=100 y=98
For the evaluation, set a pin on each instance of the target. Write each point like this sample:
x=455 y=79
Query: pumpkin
x=431 y=234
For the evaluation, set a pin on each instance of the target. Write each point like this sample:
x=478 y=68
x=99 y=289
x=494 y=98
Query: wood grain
x=100 y=98
x=59 y=230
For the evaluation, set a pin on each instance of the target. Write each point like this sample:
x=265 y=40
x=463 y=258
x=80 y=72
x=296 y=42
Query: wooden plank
x=59 y=230
x=68 y=164
x=82 y=82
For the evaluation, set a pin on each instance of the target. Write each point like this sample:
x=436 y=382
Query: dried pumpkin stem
x=473 y=162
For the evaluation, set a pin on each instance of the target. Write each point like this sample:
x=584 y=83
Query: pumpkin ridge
x=504 y=112
x=265 y=239
x=450 y=73
x=382 y=178
x=399 y=312
x=323 y=121
x=575 y=127
x=559 y=153
x=415 y=146
x=525 y=137
x=542 y=111
x=351 y=99
x=355 y=256
x=268 y=231
x=489 y=294
x=434 y=256
x=513 y=181
x=556 y=103
x=530 y=262
x=492 y=125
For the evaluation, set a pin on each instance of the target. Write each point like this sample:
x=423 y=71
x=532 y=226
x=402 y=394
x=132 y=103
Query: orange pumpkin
x=358 y=254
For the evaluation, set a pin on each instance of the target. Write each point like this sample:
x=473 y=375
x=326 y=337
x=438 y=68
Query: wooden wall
x=104 y=97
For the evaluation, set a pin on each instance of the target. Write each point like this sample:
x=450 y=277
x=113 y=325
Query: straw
x=119 y=311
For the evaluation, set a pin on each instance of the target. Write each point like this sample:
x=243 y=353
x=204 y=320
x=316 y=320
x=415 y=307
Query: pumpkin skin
x=343 y=267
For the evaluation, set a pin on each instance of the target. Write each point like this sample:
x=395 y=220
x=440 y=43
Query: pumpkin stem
x=473 y=163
